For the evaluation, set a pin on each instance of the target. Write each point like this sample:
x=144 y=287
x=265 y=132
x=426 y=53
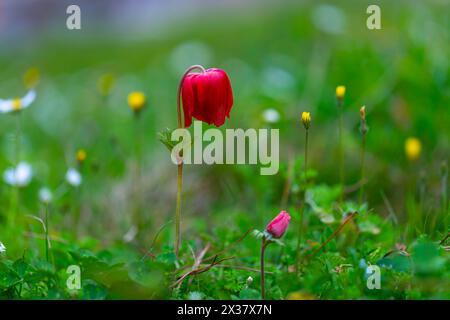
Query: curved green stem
x=180 y=166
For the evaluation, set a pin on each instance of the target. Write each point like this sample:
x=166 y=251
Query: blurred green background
x=282 y=55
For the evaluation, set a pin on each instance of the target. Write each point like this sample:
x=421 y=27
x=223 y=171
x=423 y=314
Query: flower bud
x=413 y=147
x=277 y=227
x=340 y=92
x=136 y=101
x=306 y=119
x=362 y=113
x=81 y=155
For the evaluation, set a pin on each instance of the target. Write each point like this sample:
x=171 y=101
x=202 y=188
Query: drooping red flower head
x=277 y=227
x=207 y=97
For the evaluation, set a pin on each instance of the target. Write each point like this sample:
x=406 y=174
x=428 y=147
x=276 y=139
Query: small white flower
x=73 y=177
x=19 y=176
x=131 y=234
x=17 y=104
x=2 y=248
x=271 y=115
x=249 y=281
x=45 y=195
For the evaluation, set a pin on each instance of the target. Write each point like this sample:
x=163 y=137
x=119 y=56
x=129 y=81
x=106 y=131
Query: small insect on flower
x=81 y=156
x=73 y=177
x=271 y=116
x=413 y=147
x=340 y=92
x=277 y=227
x=136 y=101
x=45 y=195
x=17 y=104
x=20 y=176
x=2 y=248
x=306 y=119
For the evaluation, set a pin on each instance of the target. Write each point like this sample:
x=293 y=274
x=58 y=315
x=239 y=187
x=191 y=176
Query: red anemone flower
x=207 y=97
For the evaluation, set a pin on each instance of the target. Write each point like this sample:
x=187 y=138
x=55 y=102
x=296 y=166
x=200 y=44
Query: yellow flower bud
x=413 y=148
x=136 y=101
x=306 y=119
x=81 y=155
x=340 y=92
x=31 y=78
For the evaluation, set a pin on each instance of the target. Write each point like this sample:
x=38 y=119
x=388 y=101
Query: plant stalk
x=263 y=250
x=180 y=165
x=47 y=239
x=363 y=156
x=341 y=152
x=178 y=209
x=302 y=213
x=15 y=191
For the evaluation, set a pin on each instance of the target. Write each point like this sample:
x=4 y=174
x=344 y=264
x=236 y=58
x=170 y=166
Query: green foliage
x=116 y=225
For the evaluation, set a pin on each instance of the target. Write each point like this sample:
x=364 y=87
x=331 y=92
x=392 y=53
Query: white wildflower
x=19 y=176
x=17 y=104
x=45 y=195
x=73 y=177
x=271 y=115
x=131 y=234
x=2 y=248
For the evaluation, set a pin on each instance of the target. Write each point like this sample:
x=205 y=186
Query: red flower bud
x=207 y=97
x=277 y=227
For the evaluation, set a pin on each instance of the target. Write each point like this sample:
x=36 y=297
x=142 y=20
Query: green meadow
x=375 y=199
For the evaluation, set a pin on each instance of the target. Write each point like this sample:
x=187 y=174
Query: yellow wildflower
x=306 y=119
x=81 y=155
x=340 y=92
x=136 y=101
x=413 y=147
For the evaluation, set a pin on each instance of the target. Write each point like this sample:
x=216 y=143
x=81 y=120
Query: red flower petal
x=207 y=96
